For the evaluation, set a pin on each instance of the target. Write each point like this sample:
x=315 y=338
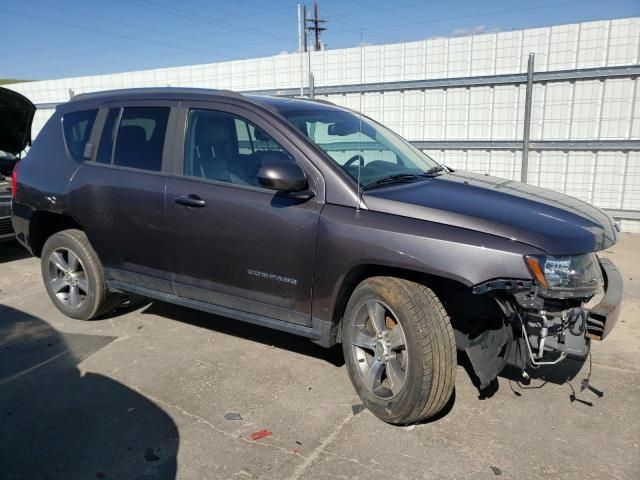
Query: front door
x=234 y=243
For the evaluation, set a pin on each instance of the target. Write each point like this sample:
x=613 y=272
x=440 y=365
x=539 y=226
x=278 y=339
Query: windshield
x=357 y=143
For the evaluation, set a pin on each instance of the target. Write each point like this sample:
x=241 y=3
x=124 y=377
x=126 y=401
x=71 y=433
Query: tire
x=401 y=376
x=73 y=276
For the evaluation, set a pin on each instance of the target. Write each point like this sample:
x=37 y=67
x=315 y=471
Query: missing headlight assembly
x=548 y=315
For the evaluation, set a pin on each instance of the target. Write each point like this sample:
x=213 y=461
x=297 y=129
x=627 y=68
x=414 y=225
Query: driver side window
x=223 y=147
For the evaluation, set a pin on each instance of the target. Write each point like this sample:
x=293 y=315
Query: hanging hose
x=578 y=322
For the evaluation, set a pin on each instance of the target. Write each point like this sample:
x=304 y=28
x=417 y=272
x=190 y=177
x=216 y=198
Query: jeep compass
x=315 y=220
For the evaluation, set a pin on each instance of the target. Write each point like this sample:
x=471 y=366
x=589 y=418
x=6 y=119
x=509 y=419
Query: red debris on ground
x=260 y=434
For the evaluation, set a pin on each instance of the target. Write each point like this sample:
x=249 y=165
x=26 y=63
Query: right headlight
x=567 y=275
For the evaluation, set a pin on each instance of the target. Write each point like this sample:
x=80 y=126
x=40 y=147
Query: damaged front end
x=549 y=316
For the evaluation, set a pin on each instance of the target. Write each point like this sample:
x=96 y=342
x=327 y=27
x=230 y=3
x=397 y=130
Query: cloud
x=478 y=29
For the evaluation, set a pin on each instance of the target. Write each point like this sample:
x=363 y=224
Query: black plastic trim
x=322 y=333
x=604 y=316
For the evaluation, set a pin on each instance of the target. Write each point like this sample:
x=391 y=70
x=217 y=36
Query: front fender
x=348 y=238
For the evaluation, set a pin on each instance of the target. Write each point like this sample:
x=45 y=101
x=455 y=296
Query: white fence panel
x=577 y=110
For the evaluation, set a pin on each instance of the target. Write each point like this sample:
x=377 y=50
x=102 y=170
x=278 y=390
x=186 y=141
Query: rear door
x=239 y=245
x=118 y=192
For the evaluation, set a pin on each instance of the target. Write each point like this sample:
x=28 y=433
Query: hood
x=16 y=115
x=549 y=221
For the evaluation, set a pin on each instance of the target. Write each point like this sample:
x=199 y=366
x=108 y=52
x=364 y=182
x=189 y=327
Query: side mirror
x=283 y=175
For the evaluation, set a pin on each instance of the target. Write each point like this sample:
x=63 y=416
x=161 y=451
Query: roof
x=179 y=93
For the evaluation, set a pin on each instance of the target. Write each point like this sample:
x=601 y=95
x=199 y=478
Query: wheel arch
x=358 y=273
x=43 y=224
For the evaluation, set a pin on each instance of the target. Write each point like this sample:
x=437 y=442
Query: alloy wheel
x=379 y=347
x=67 y=278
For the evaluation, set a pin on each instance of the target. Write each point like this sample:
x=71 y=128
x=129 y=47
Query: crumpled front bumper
x=605 y=314
x=552 y=335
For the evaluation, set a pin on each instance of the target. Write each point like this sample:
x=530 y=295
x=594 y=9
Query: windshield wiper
x=434 y=170
x=399 y=177
x=403 y=177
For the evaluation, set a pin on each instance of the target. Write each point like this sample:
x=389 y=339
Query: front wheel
x=399 y=349
x=73 y=276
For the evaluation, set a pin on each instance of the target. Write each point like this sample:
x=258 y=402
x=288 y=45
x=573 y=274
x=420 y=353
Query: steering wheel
x=353 y=159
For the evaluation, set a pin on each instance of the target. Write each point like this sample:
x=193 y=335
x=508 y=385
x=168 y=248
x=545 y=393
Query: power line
x=194 y=38
x=102 y=32
x=162 y=8
x=121 y=23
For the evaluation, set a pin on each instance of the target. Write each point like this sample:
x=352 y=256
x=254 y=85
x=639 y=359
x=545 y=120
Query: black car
x=6 y=230
x=312 y=219
x=16 y=114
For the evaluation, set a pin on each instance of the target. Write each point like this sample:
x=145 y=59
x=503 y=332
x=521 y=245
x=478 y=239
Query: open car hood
x=16 y=115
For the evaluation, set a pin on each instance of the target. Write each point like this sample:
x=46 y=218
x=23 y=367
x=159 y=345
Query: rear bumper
x=21 y=216
x=604 y=316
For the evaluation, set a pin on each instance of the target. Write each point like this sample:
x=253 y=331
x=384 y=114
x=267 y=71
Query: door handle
x=193 y=201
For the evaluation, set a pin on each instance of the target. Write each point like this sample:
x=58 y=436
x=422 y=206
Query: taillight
x=14 y=181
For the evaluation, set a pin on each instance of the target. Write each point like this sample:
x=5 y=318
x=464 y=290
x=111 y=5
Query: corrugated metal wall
x=572 y=110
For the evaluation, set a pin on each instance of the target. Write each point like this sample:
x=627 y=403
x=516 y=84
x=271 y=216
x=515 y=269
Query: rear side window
x=140 y=138
x=77 y=130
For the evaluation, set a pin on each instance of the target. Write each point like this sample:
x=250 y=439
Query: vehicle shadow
x=254 y=333
x=11 y=250
x=58 y=423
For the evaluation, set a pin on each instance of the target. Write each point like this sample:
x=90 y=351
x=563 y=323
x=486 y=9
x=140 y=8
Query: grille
x=5 y=226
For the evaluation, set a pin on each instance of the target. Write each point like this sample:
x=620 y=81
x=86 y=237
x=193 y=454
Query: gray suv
x=315 y=220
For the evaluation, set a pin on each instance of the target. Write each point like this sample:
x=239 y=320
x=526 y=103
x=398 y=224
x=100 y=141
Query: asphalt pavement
x=143 y=394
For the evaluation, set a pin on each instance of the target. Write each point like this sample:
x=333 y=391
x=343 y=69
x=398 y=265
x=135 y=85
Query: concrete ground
x=143 y=394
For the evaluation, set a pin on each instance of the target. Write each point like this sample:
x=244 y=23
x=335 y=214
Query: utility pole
x=306 y=25
x=301 y=42
x=310 y=93
x=315 y=25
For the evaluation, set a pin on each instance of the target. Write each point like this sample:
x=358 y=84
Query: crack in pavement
x=613 y=367
x=357 y=462
x=206 y=422
x=308 y=460
x=32 y=368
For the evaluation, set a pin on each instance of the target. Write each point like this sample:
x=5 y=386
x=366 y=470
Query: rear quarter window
x=76 y=128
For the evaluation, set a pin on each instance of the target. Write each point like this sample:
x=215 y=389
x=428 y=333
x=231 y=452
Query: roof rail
x=156 y=91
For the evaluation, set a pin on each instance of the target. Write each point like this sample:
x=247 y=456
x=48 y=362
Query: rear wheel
x=73 y=276
x=399 y=349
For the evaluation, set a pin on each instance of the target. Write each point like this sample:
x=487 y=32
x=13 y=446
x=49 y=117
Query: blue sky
x=44 y=39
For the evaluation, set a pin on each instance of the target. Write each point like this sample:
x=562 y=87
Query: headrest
x=301 y=125
x=211 y=130
x=132 y=135
x=261 y=135
x=273 y=156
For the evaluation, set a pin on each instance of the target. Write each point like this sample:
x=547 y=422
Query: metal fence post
x=301 y=28
x=527 y=119
x=312 y=86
